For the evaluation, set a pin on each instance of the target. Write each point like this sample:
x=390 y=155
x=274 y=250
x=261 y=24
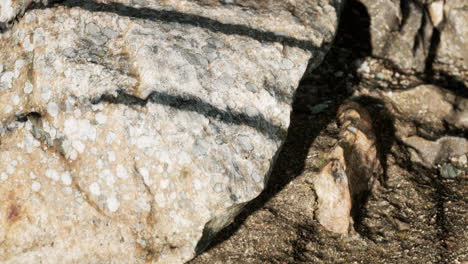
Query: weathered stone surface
x=407 y=34
x=333 y=196
x=429 y=108
x=430 y=153
x=133 y=131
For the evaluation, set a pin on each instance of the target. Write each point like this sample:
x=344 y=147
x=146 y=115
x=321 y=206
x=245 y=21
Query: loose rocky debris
x=417 y=211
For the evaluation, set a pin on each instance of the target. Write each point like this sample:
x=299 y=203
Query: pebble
x=316 y=109
x=448 y=171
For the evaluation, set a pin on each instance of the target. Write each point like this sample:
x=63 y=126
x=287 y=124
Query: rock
x=122 y=139
x=405 y=33
x=10 y=9
x=449 y=171
x=430 y=107
x=436 y=12
x=452 y=54
x=333 y=198
x=430 y=153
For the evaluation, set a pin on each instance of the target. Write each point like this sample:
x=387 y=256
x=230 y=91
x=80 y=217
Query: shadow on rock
x=315 y=106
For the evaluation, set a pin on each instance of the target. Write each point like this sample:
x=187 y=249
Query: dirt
x=415 y=216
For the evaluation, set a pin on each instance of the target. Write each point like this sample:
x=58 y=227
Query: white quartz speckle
x=66 y=178
x=101 y=118
x=52 y=109
x=160 y=199
x=28 y=88
x=15 y=99
x=3 y=176
x=52 y=174
x=121 y=172
x=113 y=204
x=78 y=146
x=35 y=186
x=95 y=189
x=146 y=176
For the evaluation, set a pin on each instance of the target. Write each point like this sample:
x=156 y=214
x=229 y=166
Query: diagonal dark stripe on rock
x=172 y=16
x=195 y=104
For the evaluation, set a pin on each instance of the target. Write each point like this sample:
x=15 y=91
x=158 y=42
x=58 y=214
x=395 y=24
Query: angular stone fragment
x=134 y=131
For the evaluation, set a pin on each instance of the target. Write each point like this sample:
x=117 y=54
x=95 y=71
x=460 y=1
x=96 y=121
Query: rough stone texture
x=133 y=131
x=333 y=195
x=417 y=215
x=413 y=34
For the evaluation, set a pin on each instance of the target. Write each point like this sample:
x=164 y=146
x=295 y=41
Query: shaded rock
x=430 y=153
x=431 y=108
x=130 y=137
x=407 y=34
x=449 y=171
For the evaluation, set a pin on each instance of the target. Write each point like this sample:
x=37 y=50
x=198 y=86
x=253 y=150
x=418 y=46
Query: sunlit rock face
x=133 y=131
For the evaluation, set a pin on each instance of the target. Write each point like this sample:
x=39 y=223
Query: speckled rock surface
x=133 y=131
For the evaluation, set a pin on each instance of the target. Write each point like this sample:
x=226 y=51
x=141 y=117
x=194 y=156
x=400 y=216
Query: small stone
x=316 y=109
x=364 y=67
x=436 y=12
x=402 y=225
x=448 y=171
x=339 y=74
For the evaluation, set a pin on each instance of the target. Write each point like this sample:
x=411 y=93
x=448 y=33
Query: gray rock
x=251 y=87
x=402 y=31
x=430 y=153
x=448 y=171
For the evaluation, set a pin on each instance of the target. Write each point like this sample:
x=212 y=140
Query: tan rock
x=133 y=131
